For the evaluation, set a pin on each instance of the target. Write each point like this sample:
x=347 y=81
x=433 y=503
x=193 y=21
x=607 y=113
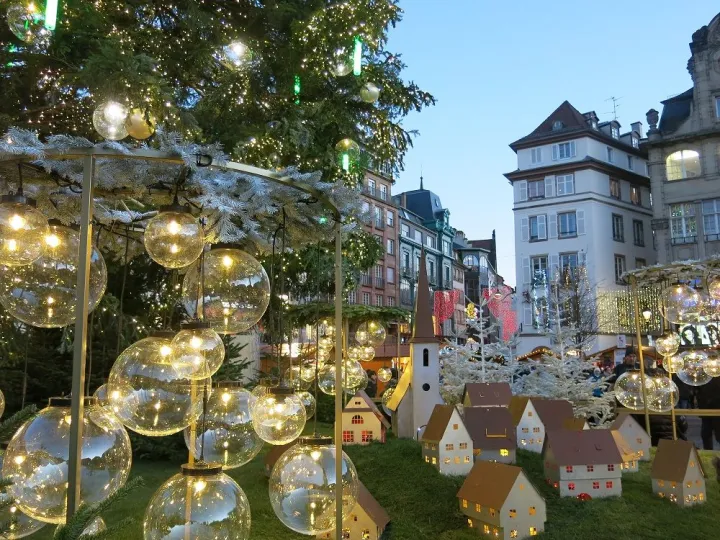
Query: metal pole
x=82 y=292
x=338 y=381
x=638 y=335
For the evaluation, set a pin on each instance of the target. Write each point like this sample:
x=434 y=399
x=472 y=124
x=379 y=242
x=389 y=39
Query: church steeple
x=421 y=182
x=424 y=329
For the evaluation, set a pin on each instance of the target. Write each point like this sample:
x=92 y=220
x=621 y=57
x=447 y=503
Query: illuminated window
x=533 y=531
x=478 y=508
x=513 y=533
x=470 y=524
x=463 y=446
x=523 y=442
x=449 y=447
x=346 y=533
x=467 y=459
x=661 y=494
x=367 y=436
x=682 y=164
x=457 y=459
x=357 y=419
x=532 y=511
x=536 y=430
x=571 y=486
x=608 y=485
x=434 y=461
x=688 y=498
x=492 y=512
x=504 y=452
x=639 y=440
x=427 y=459
x=673 y=497
x=513 y=513
x=496 y=532
x=531 y=441
x=673 y=485
x=596 y=485
x=447 y=461
x=701 y=497
x=590 y=468
x=569 y=468
x=348 y=436
x=689 y=484
x=611 y=467
x=464 y=503
x=486 y=529
x=455 y=427
x=525 y=430
x=640 y=453
x=539 y=441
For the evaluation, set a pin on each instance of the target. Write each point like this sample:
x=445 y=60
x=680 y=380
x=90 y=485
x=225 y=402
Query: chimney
x=403 y=200
x=638 y=127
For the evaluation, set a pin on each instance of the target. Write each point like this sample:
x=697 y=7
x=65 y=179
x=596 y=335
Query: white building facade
x=581 y=198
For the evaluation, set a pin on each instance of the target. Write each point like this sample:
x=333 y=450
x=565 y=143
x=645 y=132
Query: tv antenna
x=616 y=105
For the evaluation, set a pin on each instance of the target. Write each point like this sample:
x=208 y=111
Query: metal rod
x=638 y=333
x=82 y=292
x=338 y=380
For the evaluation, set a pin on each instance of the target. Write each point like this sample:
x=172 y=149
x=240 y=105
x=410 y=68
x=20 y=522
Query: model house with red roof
x=367 y=521
x=446 y=443
x=486 y=395
x=362 y=421
x=533 y=417
x=677 y=473
x=492 y=432
x=634 y=434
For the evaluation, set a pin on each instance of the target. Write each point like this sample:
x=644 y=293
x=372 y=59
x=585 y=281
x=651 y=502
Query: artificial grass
x=422 y=504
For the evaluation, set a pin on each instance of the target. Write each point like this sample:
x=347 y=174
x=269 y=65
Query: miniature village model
x=446 y=443
x=492 y=432
x=486 y=395
x=630 y=459
x=501 y=502
x=534 y=416
x=367 y=520
x=362 y=421
x=584 y=464
x=677 y=473
x=634 y=434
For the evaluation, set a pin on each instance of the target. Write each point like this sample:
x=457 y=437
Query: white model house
x=583 y=464
x=677 y=473
x=493 y=433
x=634 y=434
x=446 y=443
x=631 y=463
x=366 y=522
x=501 y=502
x=486 y=395
x=534 y=416
x=362 y=421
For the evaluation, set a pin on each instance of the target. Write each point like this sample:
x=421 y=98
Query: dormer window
x=557 y=124
x=635 y=142
x=615 y=131
x=594 y=124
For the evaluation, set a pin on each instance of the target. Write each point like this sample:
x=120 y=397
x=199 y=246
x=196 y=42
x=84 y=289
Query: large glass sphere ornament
x=200 y=503
x=387 y=394
x=367 y=353
x=355 y=377
x=22 y=229
x=629 y=389
x=303 y=482
x=326 y=379
x=235 y=290
x=310 y=404
x=713 y=287
x=259 y=391
x=712 y=365
x=227 y=428
x=307 y=372
x=13 y=523
x=236 y=55
x=96 y=526
x=355 y=352
x=341 y=63
x=709 y=308
x=148 y=394
x=348 y=155
x=197 y=351
x=279 y=416
x=370 y=92
x=174 y=238
x=681 y=304
x=693 y=371
x=674 y=363
x=667 y=344
x=665 y=396
x=327 y=329
x=36 y=460
x=43 y=293
x=27 y=22
x=384 y=374
x=109 y=120
x=371 y=333
x=139 y=125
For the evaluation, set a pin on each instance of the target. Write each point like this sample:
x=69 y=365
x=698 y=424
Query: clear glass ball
x=326 y=379
x=367 y=353
x=680 y=304
x=96 y=526
x=259 y=391
x=628 y=389
x=340 y=64
x=236 y=55
x=355 y=377
x=236 y=290
x=294 y=377
x=198 y=351
x=712 y=365
x=139 y=125
x=674 y=363
x=709 y=307
x=207 y=507
x=667 y=344
x=22 y=229
x=713 y=287
x=302 y=487
x=101 y=395
x=310 y=404
x=109 y=120
x=279 y=418
x=665 y=396
x=355 y=352
x=27 y=22
x=174 y=239
x=326 y=343
x=370 y=92
x=348 y=155
x=42 y=293
x=384 y=374
x=327 y=329
x=371 y=333
x=693 y=371
x=387 y=394
x=36 y=460
x=147 y=393
x=228 y=431
x=13 y=523
x=307 y=372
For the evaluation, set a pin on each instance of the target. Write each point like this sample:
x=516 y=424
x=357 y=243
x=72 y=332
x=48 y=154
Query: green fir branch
x=9 y=426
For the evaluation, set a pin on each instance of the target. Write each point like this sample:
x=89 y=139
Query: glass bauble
x=235 y=291
x=13 y=523
x=341 y=63
x=227 y=428
x=667 y=344
x=712 y=365
x=371 y=333
x=259 y=391
x=302 y=486
x=109 y=120
x=355 y=352
x=236 y=55
x=384 y=374
x=354 y=378
x=713 y=287
x=693 y=370
x=310 y=404
x=36 y=460
x=348 y=155
x=197 y=351
x=326 y=379
x=327 y=329
x=709 y=308
x=307 y=372
x=96 y=526
x=665 y=395
x=101 y=395
x=370 y=92
x=147 y=393
x=43 y=293
x=367 y=353
x=200 y=503
x=27 y=22
x=387 y=394
x=279 y=416
x=680 y=304
x=674 y=363
x=22 y=230
x=139 y=125
x=174 y=237
x=628 y=389
x=294 y=379
x=326 y=343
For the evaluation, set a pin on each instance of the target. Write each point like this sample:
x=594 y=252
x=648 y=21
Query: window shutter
x=549 y=186
x=527 y=318
x=522 y=190
x=554 y=266
x=542 y=228
x=552 y=225
x=555 y=152
x=572 y=148
x=580 y=221
x=524 y=229
x=526 y=269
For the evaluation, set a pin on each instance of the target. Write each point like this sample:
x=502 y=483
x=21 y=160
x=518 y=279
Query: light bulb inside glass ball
x=139 y=125
x=354 y=378
x=13 y=523
x=628 y=389
x=367 y=353
x=348 y=155
x=355 y=352
x=27 y=22
x=148 y=394
x=713 y=287
x=371 y=333
x=174 y=237
x=295 y=380
x=384 y=374
x=693 y=371
x=279 y=416
x=236 y=55
x=680 y=304
x=96 y=526
x=235 y=290
x=109 y=120
x=712 y=365
x=370 y=92
x=42 y=293
x=197 y=351
x=665 y=395
x=309 y=401
x=22 y=229
x=36 y=460
x=340 y=64
x=302 y=486
x=667 y=344
x=201 y=503
x=227 y=428
x=673 y=364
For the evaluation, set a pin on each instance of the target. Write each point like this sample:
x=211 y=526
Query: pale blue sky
x=499 y=68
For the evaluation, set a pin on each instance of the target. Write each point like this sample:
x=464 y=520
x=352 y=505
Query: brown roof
x=672 y=458
x=491 y=428
x=368 y=503
x=553 y=412
x=517 y=408
x=588 y=447
x=626 y=452
x=371 y=407
x=423 y=329
x=488 y=394
x=275 y=452
x=438 y=422
x=574 y=424
x=489 y=484
x=620 y=420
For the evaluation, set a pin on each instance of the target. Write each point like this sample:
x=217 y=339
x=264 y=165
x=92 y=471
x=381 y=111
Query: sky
x=498 y=69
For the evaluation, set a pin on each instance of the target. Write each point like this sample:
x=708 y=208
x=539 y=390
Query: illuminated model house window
x=493 y=433
x=451 y=445
x=537 y=416
x=362 y=421
x=634 y=434
x=677 y=473
x=367 y=522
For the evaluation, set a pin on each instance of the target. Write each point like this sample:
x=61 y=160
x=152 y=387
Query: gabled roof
x=438 y=423
x=672 y=459
x=622 y=418
x=373 y=509
x=588 y=447
x=675 y=111
x=517 y=408
x=488 y=394
x=553 y=412
x=626 y=452
x=569 y=116
x=491 y=428
x=574 y=424
x=369 y=407
x=489 y=484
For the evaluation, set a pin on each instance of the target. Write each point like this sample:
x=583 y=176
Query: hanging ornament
x=26 y=22
x=628 y=389
x=235 y=290
x=713 y=287
x=370 y=93
x=309 y=401
x=367 y=353
x=665 y=395
x=680 y=304
x=356 y=378
x=279 y=416
x=43 y=293
x=387 y=394
x=693 y=371
x=371 y=333
x=147 y=393
x=227 y=429
x=674 y=363
x=259 y=391
x=13 y=523
x=96 y=526
x=293 y=376
x=384 y=374
x=201 y=503
x=667 y=344
x=51 y=11
x=302 y=486
x=307 y=372
x=236 y=55
x=198 y=351
x=36 y=460
x=348 y=155
x=355 y=352
x=109 y=120
x=326 y=379
x=139 y=125
x=341 y=64
x=22 y=229
x=712 y=365
x=174 y=238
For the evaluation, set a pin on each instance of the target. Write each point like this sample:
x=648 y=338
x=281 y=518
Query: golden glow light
x=174 y=239
x=279 y=418
x=22 y=228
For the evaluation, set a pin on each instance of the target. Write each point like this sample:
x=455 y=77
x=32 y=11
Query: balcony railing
x=379 y=224
x=366 y=279
x=679 y=241
x=379 y=282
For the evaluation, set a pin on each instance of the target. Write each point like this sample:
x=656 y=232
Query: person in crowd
x=371 y=388
x=708 y=397
x=627 y=364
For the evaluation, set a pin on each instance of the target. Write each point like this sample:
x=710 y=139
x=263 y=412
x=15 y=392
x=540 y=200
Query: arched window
x=426 y=358
x=683 y=164
x=471 y=260
x=357 y=419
